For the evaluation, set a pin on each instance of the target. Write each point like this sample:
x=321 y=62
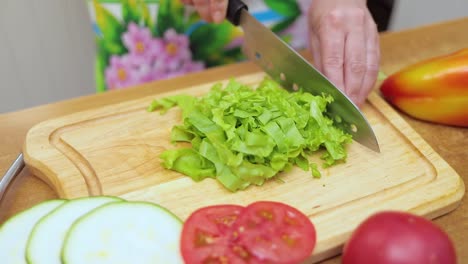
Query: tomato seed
x=290 y=221
x=203 y=239
x=216 y=260
x=224 y=260
x=290 y=241
x=266 y=215
x=241 y=252
x=226 y=220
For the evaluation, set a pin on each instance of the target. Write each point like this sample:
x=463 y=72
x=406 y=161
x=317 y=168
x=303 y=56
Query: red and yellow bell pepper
x=434 y=90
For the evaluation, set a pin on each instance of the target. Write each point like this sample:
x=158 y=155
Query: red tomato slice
x=206 y=237
x=275 y=232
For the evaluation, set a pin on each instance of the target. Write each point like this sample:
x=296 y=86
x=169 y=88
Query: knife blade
x=286 y=66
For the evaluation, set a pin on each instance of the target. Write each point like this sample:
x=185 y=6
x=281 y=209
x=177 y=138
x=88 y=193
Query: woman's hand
x=345 y=44
x=210 y=10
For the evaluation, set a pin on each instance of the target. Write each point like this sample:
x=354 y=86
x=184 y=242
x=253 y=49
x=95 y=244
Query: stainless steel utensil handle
x=11 y=173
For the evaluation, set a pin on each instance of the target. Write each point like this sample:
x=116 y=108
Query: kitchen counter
x=398 y=49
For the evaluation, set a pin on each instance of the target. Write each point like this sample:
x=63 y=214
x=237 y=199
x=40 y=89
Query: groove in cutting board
x=81 y=163
x=86 y=170
x=113 y=150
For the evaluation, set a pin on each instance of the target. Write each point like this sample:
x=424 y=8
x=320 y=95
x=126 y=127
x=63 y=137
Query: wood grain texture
x=113 y=150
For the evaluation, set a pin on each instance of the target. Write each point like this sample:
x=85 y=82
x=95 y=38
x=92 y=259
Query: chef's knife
x=283 y=64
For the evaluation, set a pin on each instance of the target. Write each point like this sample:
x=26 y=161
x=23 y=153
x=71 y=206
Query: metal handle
x=11 y=173
x=234 y=11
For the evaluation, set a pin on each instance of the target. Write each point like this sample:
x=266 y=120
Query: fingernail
x=218 y=17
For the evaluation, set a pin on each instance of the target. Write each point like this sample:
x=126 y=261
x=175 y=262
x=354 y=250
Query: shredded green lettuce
x=243 y=136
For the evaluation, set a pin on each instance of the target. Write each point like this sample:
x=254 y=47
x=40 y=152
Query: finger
x=331 y=38
x=203 y=8
x=218 y=10
x=355 y=55
x=372 y=61
x=315 y=48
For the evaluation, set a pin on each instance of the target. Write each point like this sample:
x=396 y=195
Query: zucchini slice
x=46 y=239
x=14 y=233
x=124 y=232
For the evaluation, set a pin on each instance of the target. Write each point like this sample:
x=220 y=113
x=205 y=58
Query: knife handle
x=234 y=11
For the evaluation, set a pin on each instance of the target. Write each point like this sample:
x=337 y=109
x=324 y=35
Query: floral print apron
x=145 y=40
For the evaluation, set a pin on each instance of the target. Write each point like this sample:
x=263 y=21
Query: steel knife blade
x=286 y=66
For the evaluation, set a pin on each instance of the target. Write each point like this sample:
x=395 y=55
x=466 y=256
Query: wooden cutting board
x=114 y=150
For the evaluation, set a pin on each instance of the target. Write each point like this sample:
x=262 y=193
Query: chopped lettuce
x=242 y=136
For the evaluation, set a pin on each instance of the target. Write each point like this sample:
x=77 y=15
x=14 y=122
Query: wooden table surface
x=398 y=49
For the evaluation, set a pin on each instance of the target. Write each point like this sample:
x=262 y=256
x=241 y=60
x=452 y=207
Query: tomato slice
x=207 y=237
x=275 y=232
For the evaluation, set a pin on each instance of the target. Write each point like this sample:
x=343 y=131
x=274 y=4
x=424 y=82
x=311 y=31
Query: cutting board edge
x=48 y=173
x=442 y=167
x=412 y=136
x=444 y=170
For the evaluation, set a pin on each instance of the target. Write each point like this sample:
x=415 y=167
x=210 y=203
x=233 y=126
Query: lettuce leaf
x=241 y=135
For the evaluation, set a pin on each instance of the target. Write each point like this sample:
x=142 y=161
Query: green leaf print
x=208 y=41
x=193 y=17
x=100 y=65
x=131 y=11
x=288 y=8
x=136 y=11
x=147 y=21
x=170 y=15
x=233 y=55
x=111 y=29
x=277 y=28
